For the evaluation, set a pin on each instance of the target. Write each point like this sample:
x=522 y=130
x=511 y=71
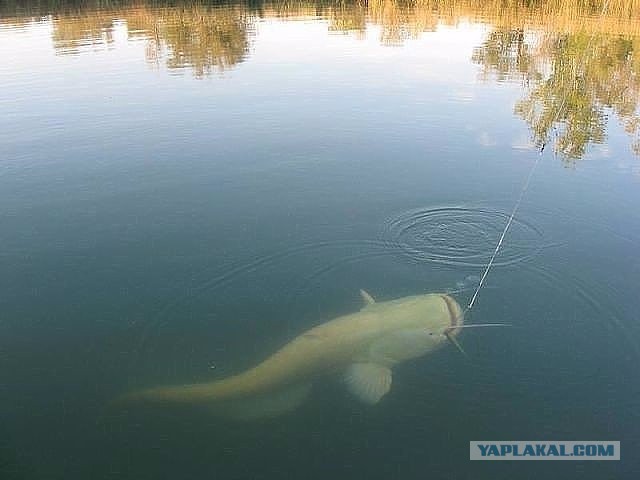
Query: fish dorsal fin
x=368 y=381
x=368 y=299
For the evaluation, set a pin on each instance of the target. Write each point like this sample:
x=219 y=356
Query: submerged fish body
x=362 y=347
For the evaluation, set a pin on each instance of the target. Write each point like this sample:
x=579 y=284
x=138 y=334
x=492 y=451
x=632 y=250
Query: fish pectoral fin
x=368 y=299
x=368 y=382
x=265 y=405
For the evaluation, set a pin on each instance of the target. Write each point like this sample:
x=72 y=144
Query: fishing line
x=504 y=232
x=523 y=191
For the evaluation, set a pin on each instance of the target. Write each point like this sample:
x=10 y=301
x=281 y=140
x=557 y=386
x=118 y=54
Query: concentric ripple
x=461 y=236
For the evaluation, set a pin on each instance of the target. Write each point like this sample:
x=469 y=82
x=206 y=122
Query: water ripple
x=461 y=236
x=448 y=235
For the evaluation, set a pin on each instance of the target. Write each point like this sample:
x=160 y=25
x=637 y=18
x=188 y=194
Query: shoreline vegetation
x=416 y=16
x=578 y=61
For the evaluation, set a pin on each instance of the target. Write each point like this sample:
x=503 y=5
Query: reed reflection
x=196 y=36
x=578 y=62
x=200 y=37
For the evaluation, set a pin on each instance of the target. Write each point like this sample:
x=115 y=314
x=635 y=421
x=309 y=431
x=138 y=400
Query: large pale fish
x=362 y=348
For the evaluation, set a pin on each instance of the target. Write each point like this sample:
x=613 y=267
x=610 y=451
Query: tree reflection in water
x=573 y=83
x=577 y=63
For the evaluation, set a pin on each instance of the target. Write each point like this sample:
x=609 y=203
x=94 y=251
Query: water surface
x=186 y=187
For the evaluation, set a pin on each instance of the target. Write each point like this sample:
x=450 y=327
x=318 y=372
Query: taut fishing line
x=523 y=191
x=504 y=233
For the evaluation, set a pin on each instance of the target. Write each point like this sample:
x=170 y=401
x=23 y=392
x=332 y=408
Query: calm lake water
x=185 y=188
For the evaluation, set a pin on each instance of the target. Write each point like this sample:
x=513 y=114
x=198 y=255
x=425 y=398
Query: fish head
x=421 y=324
x=457 y=319
x=437 y=319
x=456 y=315
x=415 y=326
x=441 y=316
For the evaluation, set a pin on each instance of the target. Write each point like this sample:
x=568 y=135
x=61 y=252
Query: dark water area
x=184 y=188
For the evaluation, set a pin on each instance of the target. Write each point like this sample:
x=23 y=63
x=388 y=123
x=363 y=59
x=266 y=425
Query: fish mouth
x=456 y=315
